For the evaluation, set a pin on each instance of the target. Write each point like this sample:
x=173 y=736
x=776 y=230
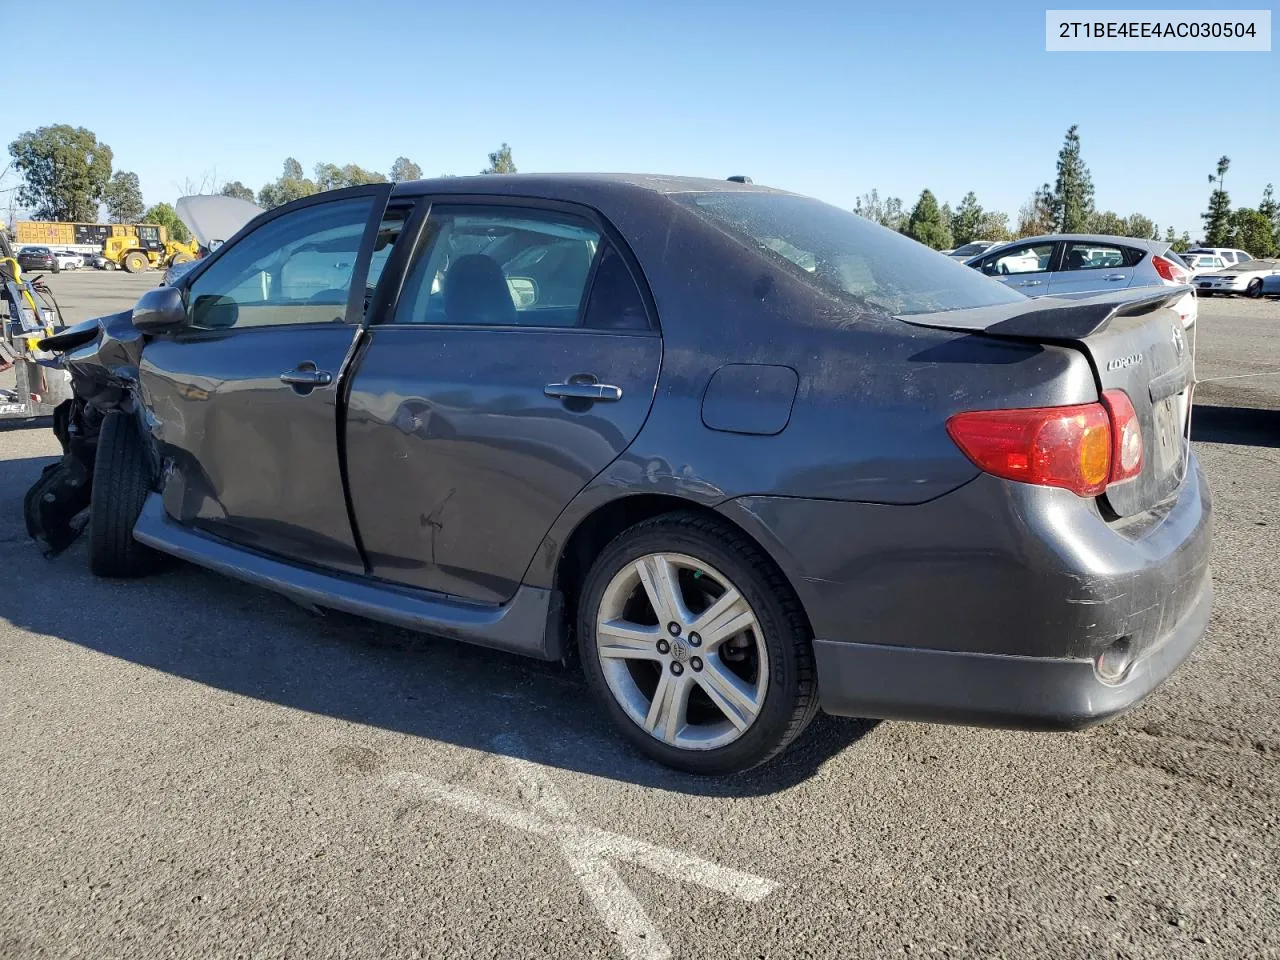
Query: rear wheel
x=696 y=645
x=1255 y=288
x=121 y=481
x=135 y=263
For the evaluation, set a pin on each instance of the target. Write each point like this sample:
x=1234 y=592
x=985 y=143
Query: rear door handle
x=307 y=378
x=1116 y=276
x=583 y=390
x=1030 y=283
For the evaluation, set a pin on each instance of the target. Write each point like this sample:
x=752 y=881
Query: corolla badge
x=1120 y=363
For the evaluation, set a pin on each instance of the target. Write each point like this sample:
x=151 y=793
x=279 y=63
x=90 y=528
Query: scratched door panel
x=458 y=462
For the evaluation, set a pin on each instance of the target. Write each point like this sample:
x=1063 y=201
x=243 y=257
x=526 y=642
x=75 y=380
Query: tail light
x=1169 y=270
x=1126 y=436
x=1081 y=448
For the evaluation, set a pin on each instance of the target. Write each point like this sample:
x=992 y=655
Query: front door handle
x=307 y=378
x=582 y=388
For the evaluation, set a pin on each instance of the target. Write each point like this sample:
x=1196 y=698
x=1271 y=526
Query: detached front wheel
x=696 y=645
x=121 y=482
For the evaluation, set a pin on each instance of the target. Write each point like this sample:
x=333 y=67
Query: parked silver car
x=1077 y=263
x=1074 y=264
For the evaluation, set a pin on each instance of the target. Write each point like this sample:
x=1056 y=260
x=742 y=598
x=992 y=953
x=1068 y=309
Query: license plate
x=1168 y=444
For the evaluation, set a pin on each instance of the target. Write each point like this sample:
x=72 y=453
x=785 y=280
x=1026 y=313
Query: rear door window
x=1098 y=256
x=500 y=266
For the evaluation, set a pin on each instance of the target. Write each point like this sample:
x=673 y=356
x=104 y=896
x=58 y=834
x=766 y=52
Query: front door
x=247 y=396
x=1022 y=266
x=520 y=360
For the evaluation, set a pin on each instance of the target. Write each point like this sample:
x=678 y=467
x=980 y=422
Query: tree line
x=67 y=175
x=1067 y=206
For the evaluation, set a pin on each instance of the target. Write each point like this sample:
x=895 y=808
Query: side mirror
x=159 y=311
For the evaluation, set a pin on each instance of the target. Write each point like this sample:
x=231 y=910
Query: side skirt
x=527 y=624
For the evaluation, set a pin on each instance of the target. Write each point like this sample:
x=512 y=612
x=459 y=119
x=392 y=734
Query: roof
x=553 y=185
x=1155 y=246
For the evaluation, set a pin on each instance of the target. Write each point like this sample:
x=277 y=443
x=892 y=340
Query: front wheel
x=1255 y=288
x=135 y=263
x=696 y=645
x=121 y=481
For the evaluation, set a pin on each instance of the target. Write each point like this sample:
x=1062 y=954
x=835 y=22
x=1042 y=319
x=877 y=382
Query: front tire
x=696 y=645
x=135 y=263
x=1255 y=288
x=121 y=481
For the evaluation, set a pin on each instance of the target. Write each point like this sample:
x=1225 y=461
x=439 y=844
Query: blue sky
x=828 y=99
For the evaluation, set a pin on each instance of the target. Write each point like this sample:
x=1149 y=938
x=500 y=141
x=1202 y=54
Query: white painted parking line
x=590 y=851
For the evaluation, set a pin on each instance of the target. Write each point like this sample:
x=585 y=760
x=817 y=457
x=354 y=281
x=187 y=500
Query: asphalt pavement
x=190 y=767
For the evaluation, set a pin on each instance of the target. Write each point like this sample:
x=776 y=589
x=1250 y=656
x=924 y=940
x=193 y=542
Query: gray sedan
x=737 y=454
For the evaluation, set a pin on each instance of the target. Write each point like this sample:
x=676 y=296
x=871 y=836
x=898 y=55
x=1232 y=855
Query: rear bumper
x=1031 y=693
x=991 y=605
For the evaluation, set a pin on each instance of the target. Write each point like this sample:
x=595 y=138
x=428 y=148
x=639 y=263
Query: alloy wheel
x=682 y=651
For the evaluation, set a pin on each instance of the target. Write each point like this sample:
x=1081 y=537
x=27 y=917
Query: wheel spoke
x=728 y=616
x=624 y=640
x=662 y=587
x=736 y=699
x=667 y=712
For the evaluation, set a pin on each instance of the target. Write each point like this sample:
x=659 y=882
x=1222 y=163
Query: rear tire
x=135 y=263
x=768 y=664
x=121 y=482
x=1255 y=288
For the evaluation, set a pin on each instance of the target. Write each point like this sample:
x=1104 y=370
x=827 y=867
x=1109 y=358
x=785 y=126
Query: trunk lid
x=1135 y=342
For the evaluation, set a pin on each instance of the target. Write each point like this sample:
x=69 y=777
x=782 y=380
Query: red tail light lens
x=1067 y=447
x=1168 y=270
x=1126 y=434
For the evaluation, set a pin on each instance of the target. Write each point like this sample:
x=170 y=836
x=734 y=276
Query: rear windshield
x=847 y=255
x=970 y=249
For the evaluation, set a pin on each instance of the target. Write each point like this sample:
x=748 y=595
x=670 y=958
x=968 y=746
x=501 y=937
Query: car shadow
x=223 y=634
x=1245 y=426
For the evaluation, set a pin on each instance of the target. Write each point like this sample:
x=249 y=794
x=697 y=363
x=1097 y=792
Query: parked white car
x=67 y=260
x=1230 y=255
x=1244 y=277
x=1203 y=263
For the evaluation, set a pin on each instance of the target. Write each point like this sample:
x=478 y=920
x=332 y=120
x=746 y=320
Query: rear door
x=247 y=398
x=519 y=360
x=1086 y=266
x=1023 y=266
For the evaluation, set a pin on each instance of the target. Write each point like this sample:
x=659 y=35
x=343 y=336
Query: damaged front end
x=102 y=359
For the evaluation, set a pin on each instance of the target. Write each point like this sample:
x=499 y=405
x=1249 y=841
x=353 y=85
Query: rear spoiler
x=1052 y=318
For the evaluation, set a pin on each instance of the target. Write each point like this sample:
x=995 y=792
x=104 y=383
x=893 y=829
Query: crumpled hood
x=213 y=218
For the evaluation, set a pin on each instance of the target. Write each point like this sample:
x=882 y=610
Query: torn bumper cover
x=54 y=506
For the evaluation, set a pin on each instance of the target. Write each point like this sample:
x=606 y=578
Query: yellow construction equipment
x=131 y=246
x=148 y=246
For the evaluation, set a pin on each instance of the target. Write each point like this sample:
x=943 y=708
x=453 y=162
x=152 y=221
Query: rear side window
x=1099 y=256
x=847 y=255
x=615 y=302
